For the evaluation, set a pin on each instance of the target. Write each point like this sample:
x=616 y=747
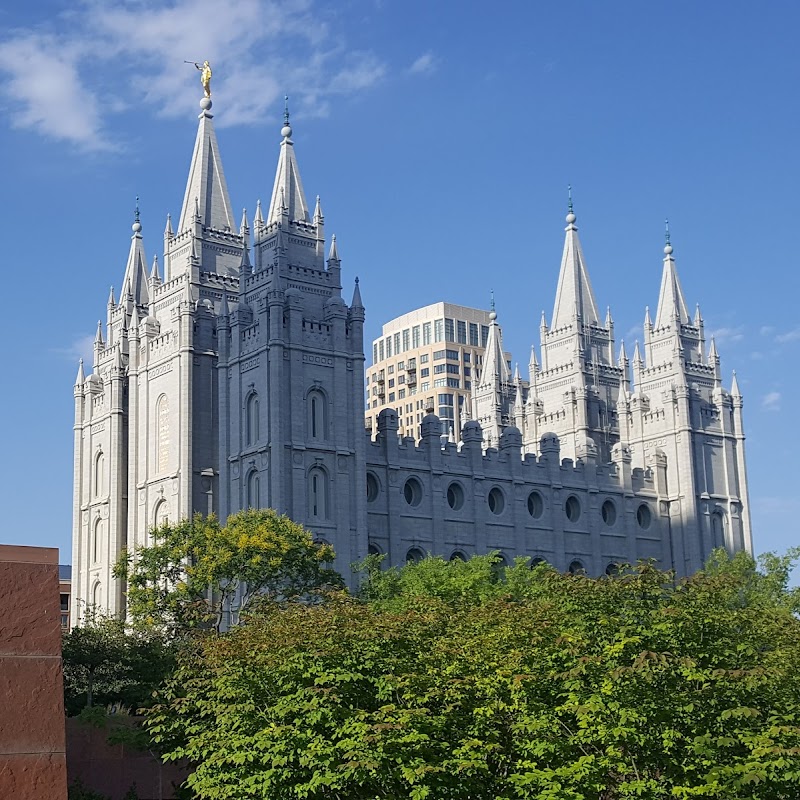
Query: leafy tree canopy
x=106 y=664
x=201 y=574
x=545 y=686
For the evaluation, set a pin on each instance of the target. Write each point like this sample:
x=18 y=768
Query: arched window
x=414 y=555
x=717 y=530
x=373 y=488
x=96 y=596
x=576 y=568
x=457 y=555
x=252 y=422
x=99 y=474
x=374 y=550
x=317 y=414
x=97 y=540
x=318 y=493
x=160 y=515
x=162 y=434
x=253 y=490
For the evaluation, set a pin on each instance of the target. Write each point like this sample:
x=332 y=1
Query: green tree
x=539 y=685
x=106 y=664
x=199 y=574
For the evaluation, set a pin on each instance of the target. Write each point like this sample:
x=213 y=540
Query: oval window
x=609 y=512
x=373 y=488
x=455 y=496
x=496 y=501
x=412 y=491
x=572 y=508
x=643 y=516
x=535 y=505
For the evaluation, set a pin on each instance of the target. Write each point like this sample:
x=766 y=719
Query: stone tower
x=146 y=431
x=291 y=376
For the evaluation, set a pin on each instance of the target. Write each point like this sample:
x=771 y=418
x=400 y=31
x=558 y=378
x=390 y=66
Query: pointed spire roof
x=637 y=355
x=259 y=217
x=712 y=352
x=671 y=303
x=533 y=364
x=134 y=284
x=495 y=369
x=318 y=215
x=356 y=303
x=154 y=273
x=111 y=300
x=735 y=386
x=244 y=265
x=168 y=232
x=574 y=289
x=79 y=380
x=287 y=191
x=334 y=252
x=623 y=356
x=224 y=310
x=244 y=226
x=98 y=337
x=206 y=190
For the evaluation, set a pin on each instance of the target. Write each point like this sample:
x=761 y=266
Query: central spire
x=671 y=303
x=288 y=196
x=574 y=289
x=206 y=190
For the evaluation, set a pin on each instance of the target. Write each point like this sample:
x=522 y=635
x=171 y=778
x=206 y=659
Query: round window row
x=412 y=492
x=416 y=554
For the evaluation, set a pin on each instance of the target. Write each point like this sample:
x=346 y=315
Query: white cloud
x=724 y=335
x=81 y=347
x=104 y=57
x=766 y=330
x=771 y=401
x=790 y=336
x=424 y=65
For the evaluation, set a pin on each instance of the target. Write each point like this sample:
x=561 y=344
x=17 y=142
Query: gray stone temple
x=230 y=374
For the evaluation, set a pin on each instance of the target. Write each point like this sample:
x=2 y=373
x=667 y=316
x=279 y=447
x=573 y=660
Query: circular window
x=536 y=562
x=455 y=496
x=612 y=570
x=458 y=556
x=535 y=505
x=576 y=568
x=373 y=488
x=496 y=501
x=374 y=550
x=643 y=516
x=414 y=555
x=412 y=491
x=572 y=508
x=609 y=512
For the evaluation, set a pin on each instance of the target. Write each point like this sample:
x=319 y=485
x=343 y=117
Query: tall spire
x=287 y=191
x=356 y=302
x=671 y=303
x=206 y=183
x=135 y=280
x=574 y=289
x=495 y=369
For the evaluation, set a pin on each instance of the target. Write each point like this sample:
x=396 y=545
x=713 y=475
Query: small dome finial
x=286 y=130
x=137 y=226
x=570 y=208
x=667 y=246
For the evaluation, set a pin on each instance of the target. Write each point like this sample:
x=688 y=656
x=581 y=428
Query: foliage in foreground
x=446 y=683
x=199 y=574
x=106 y=664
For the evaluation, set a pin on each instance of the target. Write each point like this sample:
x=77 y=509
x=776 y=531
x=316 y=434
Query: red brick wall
x=32 y=740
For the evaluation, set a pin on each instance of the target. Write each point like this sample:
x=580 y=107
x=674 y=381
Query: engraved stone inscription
x=162 y=430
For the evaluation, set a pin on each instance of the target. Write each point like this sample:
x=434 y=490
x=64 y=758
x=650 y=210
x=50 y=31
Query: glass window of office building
x=415 y=336
x=449 y=330
x=473 y=334
x=426 y=333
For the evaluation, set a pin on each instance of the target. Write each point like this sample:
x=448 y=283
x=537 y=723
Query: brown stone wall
x=32 y=741
x=112 y=769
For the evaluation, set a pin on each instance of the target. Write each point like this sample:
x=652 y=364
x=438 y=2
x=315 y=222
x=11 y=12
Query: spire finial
x=286 y=131
x=667 y=245
x=137 y=226
x=493 y=313
x=570 y=208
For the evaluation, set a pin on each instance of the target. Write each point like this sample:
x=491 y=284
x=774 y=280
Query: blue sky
x=441 y=137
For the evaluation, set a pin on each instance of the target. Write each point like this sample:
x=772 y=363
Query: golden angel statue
x=205 y=76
